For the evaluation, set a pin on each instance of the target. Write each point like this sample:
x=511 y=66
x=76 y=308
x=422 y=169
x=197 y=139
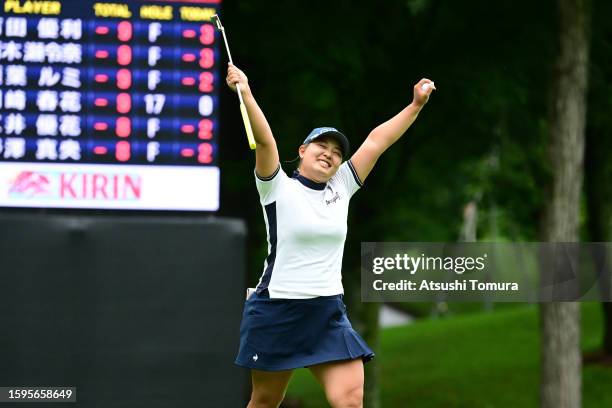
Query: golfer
x=296 y=317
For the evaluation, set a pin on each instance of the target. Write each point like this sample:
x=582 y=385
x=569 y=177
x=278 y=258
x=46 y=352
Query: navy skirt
x=283 y=334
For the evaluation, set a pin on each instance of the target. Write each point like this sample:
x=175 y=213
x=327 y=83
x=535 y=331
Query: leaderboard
x=109 y=104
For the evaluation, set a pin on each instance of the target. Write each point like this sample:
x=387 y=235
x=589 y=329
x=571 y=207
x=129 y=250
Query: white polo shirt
x=306 y=225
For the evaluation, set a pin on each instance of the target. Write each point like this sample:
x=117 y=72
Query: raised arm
x=266 y=153
x=387 y=133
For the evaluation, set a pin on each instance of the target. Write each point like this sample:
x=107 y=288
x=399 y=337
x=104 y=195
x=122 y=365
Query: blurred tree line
x=482 y=138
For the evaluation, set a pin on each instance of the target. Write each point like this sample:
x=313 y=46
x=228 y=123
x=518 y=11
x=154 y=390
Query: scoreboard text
x=109 y=105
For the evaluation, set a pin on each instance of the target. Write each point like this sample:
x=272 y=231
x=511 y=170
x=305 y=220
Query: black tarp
x=135 y=311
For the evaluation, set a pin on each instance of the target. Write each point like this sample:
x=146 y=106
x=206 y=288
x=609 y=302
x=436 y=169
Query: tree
x=560 y=322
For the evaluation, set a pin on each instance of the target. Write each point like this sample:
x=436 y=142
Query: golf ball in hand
x=426 y=86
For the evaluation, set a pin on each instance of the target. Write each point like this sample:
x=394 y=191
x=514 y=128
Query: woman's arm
x=266 y=154
x=387 y=133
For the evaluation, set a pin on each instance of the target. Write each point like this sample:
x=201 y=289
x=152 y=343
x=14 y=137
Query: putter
x=243 y=111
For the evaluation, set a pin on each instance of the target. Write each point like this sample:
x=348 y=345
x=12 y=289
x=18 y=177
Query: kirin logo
x=29 y=183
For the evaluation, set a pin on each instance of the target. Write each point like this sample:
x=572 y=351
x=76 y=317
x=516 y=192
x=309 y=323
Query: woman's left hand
x=422 y=90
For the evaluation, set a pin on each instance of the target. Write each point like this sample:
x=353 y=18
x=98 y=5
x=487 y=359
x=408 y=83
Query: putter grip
x=247 y=126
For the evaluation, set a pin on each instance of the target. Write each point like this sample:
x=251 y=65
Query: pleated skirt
x=283 y=334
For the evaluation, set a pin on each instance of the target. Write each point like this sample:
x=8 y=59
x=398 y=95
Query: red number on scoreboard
x=124 y=78
x=205 y=127
x=205 y=153
x=207 y=58
x=123 y=126
x=124 y=102
x=206 y=82
x=122 y=151
x=124 y=31
x=124 y=55
x=207 y=34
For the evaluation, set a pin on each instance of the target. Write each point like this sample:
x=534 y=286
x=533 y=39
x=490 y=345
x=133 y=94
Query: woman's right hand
x=236 y=76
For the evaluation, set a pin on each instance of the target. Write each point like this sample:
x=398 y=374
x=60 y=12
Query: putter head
x=217 y=21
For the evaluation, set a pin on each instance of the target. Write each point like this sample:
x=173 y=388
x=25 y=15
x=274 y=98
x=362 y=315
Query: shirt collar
x=308 y=182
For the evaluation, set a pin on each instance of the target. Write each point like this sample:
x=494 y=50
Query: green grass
x=472 y=360
x=449 y=309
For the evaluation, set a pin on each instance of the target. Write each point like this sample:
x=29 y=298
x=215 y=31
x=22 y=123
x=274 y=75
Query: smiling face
x=320 y=159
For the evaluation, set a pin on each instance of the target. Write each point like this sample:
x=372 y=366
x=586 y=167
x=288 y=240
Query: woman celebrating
x=296 y=316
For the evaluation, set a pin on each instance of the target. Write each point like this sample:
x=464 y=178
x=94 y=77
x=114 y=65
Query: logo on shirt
x=333 y=200
x=255 y=357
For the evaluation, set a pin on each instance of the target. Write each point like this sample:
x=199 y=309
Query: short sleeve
x=347 y=176
x=269 y=187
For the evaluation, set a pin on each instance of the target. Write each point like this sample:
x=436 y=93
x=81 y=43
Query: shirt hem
x=276 y=294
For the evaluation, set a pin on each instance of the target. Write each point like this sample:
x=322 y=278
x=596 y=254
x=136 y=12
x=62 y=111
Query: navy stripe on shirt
x=357 y=179
x=269 y=177
x=271 y=214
